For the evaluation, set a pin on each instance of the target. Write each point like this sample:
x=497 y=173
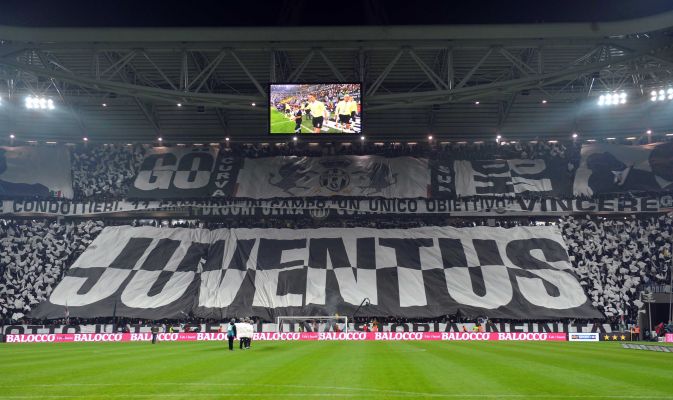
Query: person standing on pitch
x=155 y=332
x=318 y=112
x=297 y=119
x=231 y=334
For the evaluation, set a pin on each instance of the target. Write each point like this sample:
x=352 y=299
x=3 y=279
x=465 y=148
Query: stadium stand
x=104 y=171
x=33 y=258
x=36 y=254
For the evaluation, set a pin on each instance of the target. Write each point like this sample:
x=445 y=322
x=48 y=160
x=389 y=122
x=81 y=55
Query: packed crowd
x=34 y=256
x=613 y=258
x=104 y=171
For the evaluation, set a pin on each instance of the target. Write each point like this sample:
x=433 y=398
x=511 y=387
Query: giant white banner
x=521 y=273
x=371 y=176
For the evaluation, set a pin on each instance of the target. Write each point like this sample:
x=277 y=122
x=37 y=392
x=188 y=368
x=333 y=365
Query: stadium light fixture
x=11 y=136
x=476 y=102
x=591 y=140
x=294 y=138
x=39 y=103
x=669 y=134
x=179 y=104
x=226 y=139
x=661 y=94
x=649 y=131
x=610 y=138
x=160 y=139
x=430 y=137
x=253 y=104
x=104 y=104
x=86 y=139
x=361 y=138
x=612 y=99
x=631 y=138
x=544 y=101
x=574 y=135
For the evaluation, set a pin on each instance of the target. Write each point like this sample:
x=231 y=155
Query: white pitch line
x=382 y=392
x=323 y=395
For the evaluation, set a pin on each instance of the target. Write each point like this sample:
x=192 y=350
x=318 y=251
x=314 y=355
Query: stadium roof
x=418 y=79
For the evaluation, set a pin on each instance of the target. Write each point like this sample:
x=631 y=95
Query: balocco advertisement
x=287 y=336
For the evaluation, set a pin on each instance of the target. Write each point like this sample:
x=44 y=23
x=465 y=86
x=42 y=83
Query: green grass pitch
x=280 y=124
x=334 y=370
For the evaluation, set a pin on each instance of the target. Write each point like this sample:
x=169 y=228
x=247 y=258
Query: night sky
x=151 y=13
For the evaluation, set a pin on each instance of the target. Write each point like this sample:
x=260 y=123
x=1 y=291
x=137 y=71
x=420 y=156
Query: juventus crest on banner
x=520 y=273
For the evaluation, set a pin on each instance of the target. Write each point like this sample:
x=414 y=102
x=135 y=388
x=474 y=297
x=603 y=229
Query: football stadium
x=292 y=200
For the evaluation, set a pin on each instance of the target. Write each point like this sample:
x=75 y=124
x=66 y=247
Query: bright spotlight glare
x=612 y=99
x=40 y=103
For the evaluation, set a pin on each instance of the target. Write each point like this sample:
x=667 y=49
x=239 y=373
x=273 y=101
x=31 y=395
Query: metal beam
x=184 y=72
x=221 y=115
x=171 y=96
x=148 y=115
x=249 y=75
x=300 y=68
x=521 y=66
x=474 y=69
x=432 y=76
x=161 y=73
x=450 y=72
x=331 y=66
x=45 y=62
x=118 y=65
x=442 y=96
x=384 y=74
x=207 y=71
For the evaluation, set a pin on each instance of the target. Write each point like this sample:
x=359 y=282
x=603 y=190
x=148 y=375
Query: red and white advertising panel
x=288 y=336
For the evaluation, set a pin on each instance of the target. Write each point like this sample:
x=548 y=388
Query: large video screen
x=315 y=108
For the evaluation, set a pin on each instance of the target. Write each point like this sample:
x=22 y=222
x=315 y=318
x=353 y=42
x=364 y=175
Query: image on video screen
x=315 y=108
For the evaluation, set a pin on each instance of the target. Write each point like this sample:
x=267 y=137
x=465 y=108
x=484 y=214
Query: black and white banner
x=611 y=168
x=465 y=178
x=307 y=326
x=35 y=171
x=519 y=273
x=354 y=176
x=178 y=173
x=322 y=208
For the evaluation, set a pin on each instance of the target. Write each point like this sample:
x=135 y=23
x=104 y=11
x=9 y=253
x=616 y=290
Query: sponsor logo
x=398 y=336
x=277 y=336
x=342 y=336
x=98 y=337
x=44 y=338
x=583 y=337
x=465 y=336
